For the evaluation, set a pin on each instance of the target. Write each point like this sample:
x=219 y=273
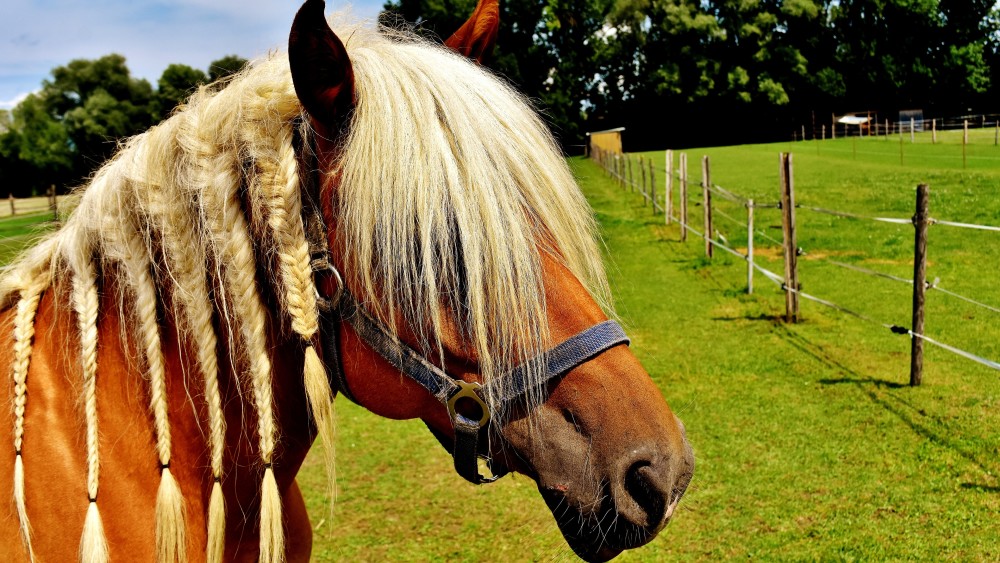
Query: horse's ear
x=476 y=37
x=321 y=69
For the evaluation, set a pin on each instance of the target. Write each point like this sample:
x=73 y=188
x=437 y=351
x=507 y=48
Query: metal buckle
x=468 y=390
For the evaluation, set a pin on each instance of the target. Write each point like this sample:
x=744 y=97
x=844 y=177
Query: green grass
x=20 y=231
x=809 y=444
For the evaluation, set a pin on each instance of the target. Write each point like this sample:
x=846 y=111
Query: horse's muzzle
x=635 y=503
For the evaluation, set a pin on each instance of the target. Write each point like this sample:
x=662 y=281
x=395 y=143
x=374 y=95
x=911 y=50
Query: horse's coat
x=168 y=377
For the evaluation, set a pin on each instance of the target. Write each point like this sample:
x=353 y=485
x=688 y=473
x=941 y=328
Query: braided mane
x=450 y=186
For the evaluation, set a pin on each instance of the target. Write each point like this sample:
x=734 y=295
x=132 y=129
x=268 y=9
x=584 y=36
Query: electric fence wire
x=965 y=225
x=848 y=215
x=895 y=329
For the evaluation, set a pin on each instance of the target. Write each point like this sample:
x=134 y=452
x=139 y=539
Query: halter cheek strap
x=466 y=402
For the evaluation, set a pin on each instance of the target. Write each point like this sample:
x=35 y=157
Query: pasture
x=809 y=443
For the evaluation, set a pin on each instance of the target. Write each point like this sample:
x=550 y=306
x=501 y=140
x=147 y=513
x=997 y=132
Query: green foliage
x=177 y=83
x=84 y=110
x=670 y=69
x=224 y=67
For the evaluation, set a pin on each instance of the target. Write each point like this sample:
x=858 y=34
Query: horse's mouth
x=599 y=535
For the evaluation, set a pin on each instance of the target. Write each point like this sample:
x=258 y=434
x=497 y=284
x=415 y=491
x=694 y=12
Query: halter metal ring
x=469 y=391
x=335 y=299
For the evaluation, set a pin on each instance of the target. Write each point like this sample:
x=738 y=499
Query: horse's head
x=469 y=264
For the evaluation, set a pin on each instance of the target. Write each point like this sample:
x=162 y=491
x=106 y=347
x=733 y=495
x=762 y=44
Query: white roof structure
x=854 y=119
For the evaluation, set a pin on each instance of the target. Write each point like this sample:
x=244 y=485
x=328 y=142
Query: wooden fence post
x=934 y=131
x=668 y=199
x=10 y=197
x=803 y=132
x=642 y=176
x=913 y=126
x=706 y=182
x=628 y=161
x=824 y=132
x=652 y=185
x=684 y=196
x=900 y=144
x=791 y=246
x=965 y=139
x=833 y=127
x=920 y=222
x=750 y=246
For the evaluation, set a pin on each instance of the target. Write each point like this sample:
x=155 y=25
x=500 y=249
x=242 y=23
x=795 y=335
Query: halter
x=468 y=410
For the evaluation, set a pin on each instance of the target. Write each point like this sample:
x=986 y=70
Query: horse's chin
x=597 y=535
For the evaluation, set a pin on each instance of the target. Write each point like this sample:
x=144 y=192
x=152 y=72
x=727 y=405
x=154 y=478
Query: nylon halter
x=466 y=402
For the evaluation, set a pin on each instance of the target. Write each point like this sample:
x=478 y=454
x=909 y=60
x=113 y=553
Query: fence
x=620 y=167
x=966 y=139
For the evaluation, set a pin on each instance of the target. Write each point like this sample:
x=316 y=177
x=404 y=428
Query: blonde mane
x=450 y=188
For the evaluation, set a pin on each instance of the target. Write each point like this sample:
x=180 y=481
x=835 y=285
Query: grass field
x=809 y=443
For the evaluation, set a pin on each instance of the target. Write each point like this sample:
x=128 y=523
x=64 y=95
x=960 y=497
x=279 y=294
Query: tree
x=544 y=47
x=176 y=84
x=224 y=67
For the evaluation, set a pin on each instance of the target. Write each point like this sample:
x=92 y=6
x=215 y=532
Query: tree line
x=709 y=72
x=62 y=133
x=673 y=72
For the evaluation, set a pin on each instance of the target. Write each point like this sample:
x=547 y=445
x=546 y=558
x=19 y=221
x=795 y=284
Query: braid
x=93 y=544
x=170 y=544
x=231 y=237
x=280 y=190
x=24 y=332
x=185 y=259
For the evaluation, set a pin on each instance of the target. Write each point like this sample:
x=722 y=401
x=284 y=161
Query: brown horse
x=378 y=217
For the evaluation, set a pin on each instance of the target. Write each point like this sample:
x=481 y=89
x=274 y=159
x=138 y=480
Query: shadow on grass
x=934 y=429
x=865 y=381
x=773 y=319
x=980 y=487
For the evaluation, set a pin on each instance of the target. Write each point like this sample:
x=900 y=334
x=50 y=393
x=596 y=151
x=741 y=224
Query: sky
x=38 y=35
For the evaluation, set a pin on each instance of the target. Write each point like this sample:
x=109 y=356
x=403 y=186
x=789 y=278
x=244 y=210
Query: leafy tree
x=175 y=85
x=222 y=68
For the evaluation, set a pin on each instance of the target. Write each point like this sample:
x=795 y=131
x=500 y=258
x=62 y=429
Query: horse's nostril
x=645 y=486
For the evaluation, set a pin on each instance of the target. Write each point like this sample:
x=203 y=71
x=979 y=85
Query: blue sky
x=38 y=35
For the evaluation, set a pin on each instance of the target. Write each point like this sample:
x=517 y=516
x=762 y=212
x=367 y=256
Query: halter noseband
x=468 y=410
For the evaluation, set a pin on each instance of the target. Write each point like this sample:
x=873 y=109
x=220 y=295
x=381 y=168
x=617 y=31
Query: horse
x=369 y=215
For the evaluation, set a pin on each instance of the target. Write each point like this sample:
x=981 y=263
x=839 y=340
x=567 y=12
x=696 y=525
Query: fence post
x=10 y=197
x=833 y=126
x=965 y=139
x=642 y=175
x=901 y=144
x=803 y=132
x=628 y=161
x=684 y=196
x=824 y=131
x=706 y=182
x=791 y=284
x=749 y=246
x=920 y=222
x=913 y=125
x=668 y=199
x=934 y=131
x=996 y=133
x=652 y=185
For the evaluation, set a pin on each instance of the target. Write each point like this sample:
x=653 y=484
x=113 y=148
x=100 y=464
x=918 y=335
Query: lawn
x=809 y=444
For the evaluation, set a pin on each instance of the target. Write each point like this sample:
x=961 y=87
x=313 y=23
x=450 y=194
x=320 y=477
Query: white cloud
x=9 y=104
